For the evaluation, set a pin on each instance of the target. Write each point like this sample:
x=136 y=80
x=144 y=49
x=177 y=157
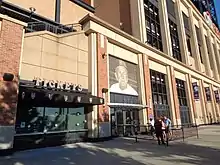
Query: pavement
x=124 y=151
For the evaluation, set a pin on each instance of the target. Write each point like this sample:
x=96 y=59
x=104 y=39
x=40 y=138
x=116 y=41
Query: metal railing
x=179 y=132
x=44 y=26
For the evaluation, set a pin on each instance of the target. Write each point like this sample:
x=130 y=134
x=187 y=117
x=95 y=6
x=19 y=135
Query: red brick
x=10 y=46
x=102 y=67
x=148 y=95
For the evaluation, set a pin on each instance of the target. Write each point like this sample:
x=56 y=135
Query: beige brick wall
x=63 y=58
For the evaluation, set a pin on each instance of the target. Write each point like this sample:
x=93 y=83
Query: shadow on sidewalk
x=120 y=151
x=177 y=152
x=73 y=154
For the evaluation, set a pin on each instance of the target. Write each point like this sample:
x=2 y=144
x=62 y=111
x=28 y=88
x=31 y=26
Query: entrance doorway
x=124 y=121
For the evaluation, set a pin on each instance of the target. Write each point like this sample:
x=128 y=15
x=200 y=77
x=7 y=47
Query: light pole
x=32 y=10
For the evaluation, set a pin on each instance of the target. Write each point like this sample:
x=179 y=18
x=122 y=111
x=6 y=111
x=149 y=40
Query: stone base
x=6 y=137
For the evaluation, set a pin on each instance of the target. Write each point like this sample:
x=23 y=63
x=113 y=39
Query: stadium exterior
x=78 y=70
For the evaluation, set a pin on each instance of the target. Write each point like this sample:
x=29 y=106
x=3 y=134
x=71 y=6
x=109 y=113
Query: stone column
x=217 y=110
x=203 y=100
x=102 y=83
x=214 y=110
x=143 y=113
x=11 y=39
x=217 y=55
x=181 y=33
x=93 y=114
x=174 y=102
x=148 y=92
x=190 y=98
x=204 y=50
x=165 y=30
x=194 y=42
x=212 y=53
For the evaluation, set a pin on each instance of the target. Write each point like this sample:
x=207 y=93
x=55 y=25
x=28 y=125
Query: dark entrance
x=125 y=121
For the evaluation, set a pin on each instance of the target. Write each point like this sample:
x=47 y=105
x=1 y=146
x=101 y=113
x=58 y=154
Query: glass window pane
x=55 y=120
x=76 y=119
x=29 y=119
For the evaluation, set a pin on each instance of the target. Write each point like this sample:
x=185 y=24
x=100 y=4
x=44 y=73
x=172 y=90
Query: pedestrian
x=158 y=130
x=152 y=129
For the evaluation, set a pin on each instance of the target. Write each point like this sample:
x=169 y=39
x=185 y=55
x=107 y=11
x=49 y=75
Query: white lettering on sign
x=57 y=84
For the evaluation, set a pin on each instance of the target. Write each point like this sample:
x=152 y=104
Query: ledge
x=13 y=20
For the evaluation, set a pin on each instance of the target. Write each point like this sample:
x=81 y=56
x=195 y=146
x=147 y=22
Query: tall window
x=180 y=85
x=159 y=93
x=152 y=25
x=173 y=30
x=175 y=41
x=184 y=110
x=187 y=32
x=198 y=34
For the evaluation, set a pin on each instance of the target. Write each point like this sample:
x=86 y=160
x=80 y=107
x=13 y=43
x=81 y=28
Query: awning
x=125 y=106
x=48 y=97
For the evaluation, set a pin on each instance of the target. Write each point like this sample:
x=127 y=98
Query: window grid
x=159 y=93
x=175 y=41
x=184 y=110
x=153 y=25
x=181 y=91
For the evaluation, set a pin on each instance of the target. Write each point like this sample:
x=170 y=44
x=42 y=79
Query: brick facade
x=147 y=83
x=10 y=46
x=102 y=67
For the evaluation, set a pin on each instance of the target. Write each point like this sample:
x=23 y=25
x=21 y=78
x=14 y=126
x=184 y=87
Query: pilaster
x=217 y=55
x=190 y=98
x=204 y=50
x=143 y=74
x=148 y=92
x=203 y=100
x=174 y=102
x=214 y=112
x=93 y=115
x=102 y=83
x=212 y=53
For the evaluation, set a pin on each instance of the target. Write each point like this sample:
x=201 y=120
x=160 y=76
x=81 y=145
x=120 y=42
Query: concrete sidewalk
x=202 y=151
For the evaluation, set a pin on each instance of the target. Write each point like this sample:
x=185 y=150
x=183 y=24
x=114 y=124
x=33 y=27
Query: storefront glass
x=50 y=119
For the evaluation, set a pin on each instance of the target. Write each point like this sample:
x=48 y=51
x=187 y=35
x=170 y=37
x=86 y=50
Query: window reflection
x=48 y=119
x=55 y=120
x=30 y=119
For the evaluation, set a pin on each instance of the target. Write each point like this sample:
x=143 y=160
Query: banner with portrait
x=208 y=94
x=195 y=90
x=217 y=98
x=123 y=79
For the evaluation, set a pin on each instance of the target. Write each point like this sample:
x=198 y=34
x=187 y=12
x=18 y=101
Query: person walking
x=152 y=130
x=168 y=124
x=159 y=131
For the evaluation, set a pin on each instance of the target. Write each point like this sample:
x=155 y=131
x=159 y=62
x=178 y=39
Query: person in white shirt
x=121 y=75
x=152 y=129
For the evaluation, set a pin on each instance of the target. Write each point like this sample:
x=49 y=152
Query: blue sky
x=217 y=5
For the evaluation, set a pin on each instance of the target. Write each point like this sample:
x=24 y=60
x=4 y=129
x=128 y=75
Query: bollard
x=197 y=132
x=136 y=138
x=183 y=133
